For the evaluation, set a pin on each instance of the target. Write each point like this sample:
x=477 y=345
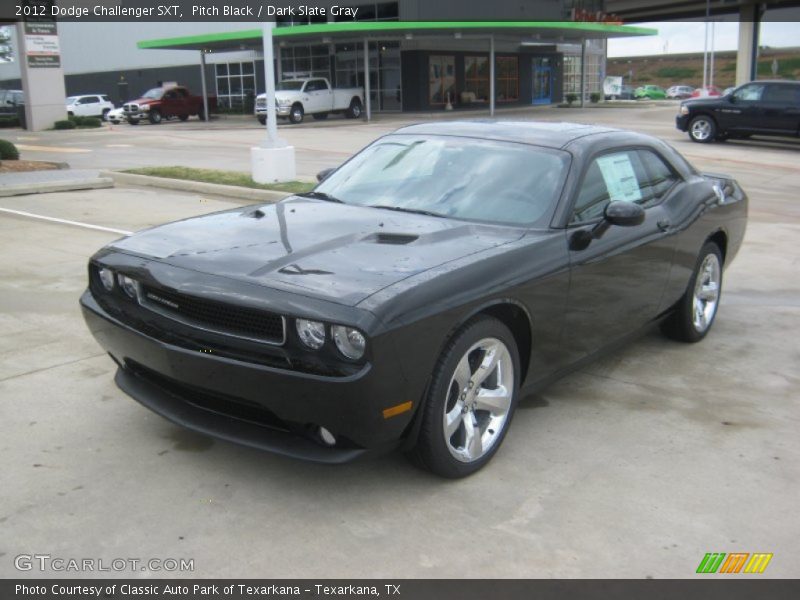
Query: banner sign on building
x=41 y=44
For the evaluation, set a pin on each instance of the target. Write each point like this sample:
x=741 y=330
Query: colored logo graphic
x=736 y=562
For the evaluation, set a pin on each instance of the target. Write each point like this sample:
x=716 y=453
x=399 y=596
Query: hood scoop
x=392 y=239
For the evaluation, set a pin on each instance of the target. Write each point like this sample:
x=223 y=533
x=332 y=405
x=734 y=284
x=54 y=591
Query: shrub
x=675 y=73
x=64 y=125
x=8 y=151
x=594 y=97
x=90 y=122
x=571 y=98
x=9 y=122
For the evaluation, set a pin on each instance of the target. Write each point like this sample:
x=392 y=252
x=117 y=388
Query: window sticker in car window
x=620 y=177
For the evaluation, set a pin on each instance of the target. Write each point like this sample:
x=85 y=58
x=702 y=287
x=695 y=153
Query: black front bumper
x=682 y=122
x=264 y=407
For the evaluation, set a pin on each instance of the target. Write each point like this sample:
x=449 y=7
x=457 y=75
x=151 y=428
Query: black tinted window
x=750 y=93
x=782 y=94
x=611 y=177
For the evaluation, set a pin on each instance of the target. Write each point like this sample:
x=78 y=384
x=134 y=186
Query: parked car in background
x=624 y=92
x=680 y=91
x=296 y=98
x=650 y=92
x=89 y=105
x=710 y=91
x=116 y=116
x=418 y=291
x=756 y=108
x=164 y=102
x=10 y=100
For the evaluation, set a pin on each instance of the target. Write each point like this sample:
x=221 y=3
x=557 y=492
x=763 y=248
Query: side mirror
x=324 y=174
x=624 y=214
x=731 y=98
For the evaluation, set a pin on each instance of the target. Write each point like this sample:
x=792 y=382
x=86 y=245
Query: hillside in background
x=672 y=69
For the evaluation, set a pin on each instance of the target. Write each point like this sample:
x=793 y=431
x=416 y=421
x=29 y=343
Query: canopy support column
x=367 y=93
x=203 y=84
x=583 y=72
x=491 y=76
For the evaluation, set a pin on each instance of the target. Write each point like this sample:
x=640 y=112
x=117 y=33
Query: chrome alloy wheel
x=701 y=129
x=706 y=293
x=479 y=399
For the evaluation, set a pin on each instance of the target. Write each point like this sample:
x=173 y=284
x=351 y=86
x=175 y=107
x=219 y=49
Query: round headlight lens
x=312 y=333
x=684 y=109
x=349 y=341
x=128 y=285
x=107 y=278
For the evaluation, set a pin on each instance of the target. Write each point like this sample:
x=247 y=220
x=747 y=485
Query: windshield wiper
x=416 y=211
x=321 y=196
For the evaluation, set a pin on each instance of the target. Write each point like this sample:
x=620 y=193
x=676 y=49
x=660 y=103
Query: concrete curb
x=212 y=189
x=22 y=189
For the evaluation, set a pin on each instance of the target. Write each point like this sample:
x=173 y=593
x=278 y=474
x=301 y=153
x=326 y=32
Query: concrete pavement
x=635 y=466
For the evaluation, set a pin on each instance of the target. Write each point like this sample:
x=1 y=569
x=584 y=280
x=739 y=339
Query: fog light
x=312 y=333
x=107 y=278
x=327 y=437
x=128 y=285
x=349 y=341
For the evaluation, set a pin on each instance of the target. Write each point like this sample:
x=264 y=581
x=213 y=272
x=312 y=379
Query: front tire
x=696 y=311
x=262 y=120
x=104 y=116
x=702 y=129
x=154 y=117
x=470 y=400
x=296 y=114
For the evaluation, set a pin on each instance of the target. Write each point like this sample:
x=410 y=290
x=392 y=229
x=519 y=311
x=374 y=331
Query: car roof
x=538 y=133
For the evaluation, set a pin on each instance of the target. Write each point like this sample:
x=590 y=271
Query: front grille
x=218 y=317
x=130 y=107
x=261 y=103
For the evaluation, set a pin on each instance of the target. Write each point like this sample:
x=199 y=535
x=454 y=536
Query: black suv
x=755 y=108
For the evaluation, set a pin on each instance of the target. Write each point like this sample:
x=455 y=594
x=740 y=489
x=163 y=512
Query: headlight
x=312 y=333
x=128 y=285
x=144 y=107
x=107 y=278
x=684 y=109
x=349 y=341
x=283 y=102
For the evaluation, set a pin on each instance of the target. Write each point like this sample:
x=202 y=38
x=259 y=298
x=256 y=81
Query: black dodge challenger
x=418 y=291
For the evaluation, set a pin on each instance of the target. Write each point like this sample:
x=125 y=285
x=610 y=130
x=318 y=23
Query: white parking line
x=22 y=213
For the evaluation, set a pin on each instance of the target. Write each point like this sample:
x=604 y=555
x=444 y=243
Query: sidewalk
x=59 y=180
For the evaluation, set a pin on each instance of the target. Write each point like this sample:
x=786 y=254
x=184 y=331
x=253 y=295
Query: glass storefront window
x=507 y=85
x=236 y=84
x=441 y=79
x=384 y=65
x=476 y=79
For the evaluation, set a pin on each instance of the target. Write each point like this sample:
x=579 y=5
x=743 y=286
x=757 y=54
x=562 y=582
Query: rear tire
x=702 y=129
x=354 y=110
x=696 y=310
x=470 y=401
x=154 y=116
x=296 y=114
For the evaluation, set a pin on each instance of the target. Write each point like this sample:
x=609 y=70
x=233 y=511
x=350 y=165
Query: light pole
x=274 y=159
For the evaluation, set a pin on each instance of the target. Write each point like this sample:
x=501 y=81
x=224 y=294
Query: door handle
x=664 y=224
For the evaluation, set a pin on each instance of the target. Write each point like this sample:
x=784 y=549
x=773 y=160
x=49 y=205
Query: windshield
x=463 y=178
x=154 y=94
x=289 y=86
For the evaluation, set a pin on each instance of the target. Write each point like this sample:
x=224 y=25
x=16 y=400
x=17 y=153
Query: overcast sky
x=688 y=37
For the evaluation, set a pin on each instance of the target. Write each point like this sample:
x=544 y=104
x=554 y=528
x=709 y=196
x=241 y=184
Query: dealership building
x=404 y=53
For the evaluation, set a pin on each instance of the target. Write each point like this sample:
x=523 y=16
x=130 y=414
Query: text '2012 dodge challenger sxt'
x=418 y=291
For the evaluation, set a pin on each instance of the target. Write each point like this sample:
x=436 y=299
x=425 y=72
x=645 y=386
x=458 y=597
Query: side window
x=659 y=176
x=782 y=94
x=617 y=176
x=105 y=99
x=750 y=93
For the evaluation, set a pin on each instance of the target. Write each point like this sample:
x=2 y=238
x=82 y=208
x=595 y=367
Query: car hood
x=702 y=101
x=332 y=251
x=141 y=101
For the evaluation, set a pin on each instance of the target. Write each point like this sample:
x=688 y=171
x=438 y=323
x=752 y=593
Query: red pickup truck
x=164 y=102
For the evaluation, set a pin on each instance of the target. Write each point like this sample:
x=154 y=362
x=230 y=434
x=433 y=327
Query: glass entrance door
x=542 y=81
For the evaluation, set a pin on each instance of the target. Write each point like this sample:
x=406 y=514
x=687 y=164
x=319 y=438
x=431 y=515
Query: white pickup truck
x=296 y=98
